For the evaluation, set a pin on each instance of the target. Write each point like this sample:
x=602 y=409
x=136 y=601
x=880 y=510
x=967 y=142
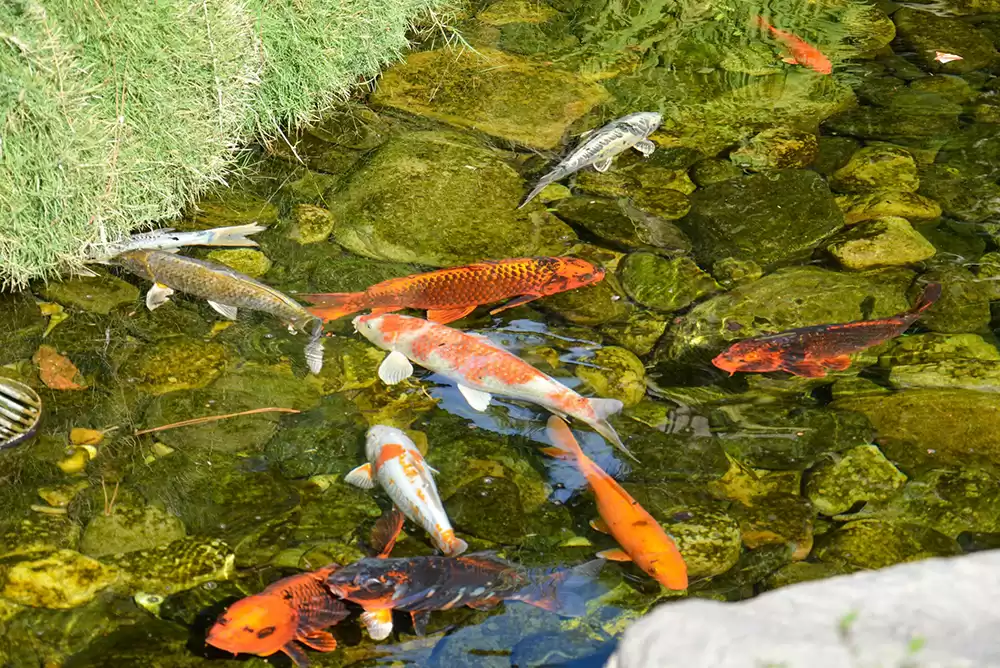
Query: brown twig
x=109 y=506
x=213 y=418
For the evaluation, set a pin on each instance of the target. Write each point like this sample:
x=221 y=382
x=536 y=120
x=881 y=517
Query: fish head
x=643 y=123
x=381 y=435
x=748 y=356
x=385 y=329
x=571 y=273
x=368 y=580
x=258 y=624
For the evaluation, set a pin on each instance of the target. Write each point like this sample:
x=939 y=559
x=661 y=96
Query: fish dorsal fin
x=224 y=310
x=361 y=477
x=477 y=399
x=395 y=368
x=157 y=296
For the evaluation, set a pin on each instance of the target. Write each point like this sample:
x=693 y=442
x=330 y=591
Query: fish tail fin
x=564 y=444
x=455 y=545
x=235 y=235
x=539 y=187
x=603 y=409
x=332 y=305
x=762 y=23
x=930 y=295
x=561 y=591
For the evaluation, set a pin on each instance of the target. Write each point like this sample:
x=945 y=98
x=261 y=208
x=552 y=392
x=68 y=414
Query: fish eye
x=266 y=631
x=222 y=621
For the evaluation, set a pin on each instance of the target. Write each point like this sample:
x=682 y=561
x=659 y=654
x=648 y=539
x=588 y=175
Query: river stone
x=714 y=170
x=875 y=168
x=175 y=364
x=313 y=224
x=58 y=580
x=489 y=508
x=731 y=272
x=820 y=296
x=926 y=33
x=129 y=528
x=941 y=427
x=934 y=347
x=439 y=199
x=860 y=474
x=883 y=242
x=615 y=373
x=866 y=206
x=776 y=148
x=871 y=543
x=777 y=519
x=39 y=533
x=956 y=374
x=639 y=333
x=96 y=295
x=968 y=198
x=664 y=284
x=179 y=565
x=437 y=84
x=247 y=261
x=768 y=218
x=620 y=225
x=964 y=305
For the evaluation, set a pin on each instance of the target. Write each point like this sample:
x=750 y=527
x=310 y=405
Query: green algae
x=175 y=365
x=886 y=241
x=871 y=543
x=615 y=373
x=776 y=148
x=662 y=284
x=247 y=261
x=95 y=295
x=861 y=474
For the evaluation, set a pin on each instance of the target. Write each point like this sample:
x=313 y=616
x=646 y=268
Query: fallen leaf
x=55 y=313
x=55 y=370
x=82 y=436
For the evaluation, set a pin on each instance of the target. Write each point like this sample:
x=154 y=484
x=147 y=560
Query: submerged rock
x=776 y=148
x=639 y=333
x=868 y=206
x=883 y=242
x=247 y=261
x=934 y=347
x=731 y=272
x=957 y=374
x=968 y=198
x=176 y=566
x=768 y=218
x=804 y=571
x=876 y=544
x=833 y=153
x=664 y=284
x=861 y=474
x=621 y=225
x=130 y=527
x=489 y=508
x=60 y=580
x=39 y=533
x=593 y=305
x=176 y=364
x=777 y=519
x=96 y=295
x=313 y=224
x=926 y=33
x=964 y=305
x=714 y=170
x=440 y=199
x=615 y=373
x=440 y=84
x=875 y=168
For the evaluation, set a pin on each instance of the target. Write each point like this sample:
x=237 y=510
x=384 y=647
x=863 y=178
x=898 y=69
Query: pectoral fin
x=518 y=301
x=420 y=621
x=445 y=315
x=224 y=310
x=296 y=654
x=603 y=165
x=320 y=640
x=477 y=399
x=361 y=477
x=158 y=295
x=838 y=363
x=805 y=369
x=615 y=554
x=646 y=147
x=395 y=368
x=378 y=623
x=598 y=524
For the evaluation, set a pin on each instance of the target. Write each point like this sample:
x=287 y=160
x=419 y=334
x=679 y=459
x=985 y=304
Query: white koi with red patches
x=396 y=463
x=480 y=368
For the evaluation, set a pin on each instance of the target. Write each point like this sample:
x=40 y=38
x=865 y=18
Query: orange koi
x=292 y=610
x=640 y=536
x=801 y=52
x=450 y=294
x=811 y=351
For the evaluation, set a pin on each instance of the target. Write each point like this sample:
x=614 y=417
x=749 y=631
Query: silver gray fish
x=169 y=239
x=601 y=146
x=20 y=412
x=225 y=290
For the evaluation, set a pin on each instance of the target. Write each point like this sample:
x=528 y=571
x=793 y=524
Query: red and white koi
x=479 y=367
x=395 y=461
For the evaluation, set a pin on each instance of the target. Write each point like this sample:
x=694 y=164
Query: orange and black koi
x=450 y=294
x=812 y=351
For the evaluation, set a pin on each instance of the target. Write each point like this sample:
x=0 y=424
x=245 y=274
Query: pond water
x=779 y=196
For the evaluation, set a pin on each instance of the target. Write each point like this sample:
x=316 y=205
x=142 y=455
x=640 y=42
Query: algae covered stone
x=615 y=373
x=664 y=284
x=487 y=90
x=639 y=333
x=96 y=295
x=129 y=527
x=776 y=148
x=489 y=508
x=714 y=170
x=964 y=305
x=621 y=225
x=959 y=374
x=879 y=167
x=883 y=242
x=440 y=199
x=926 y=33
x=59 y=580
x=935 y=347
x=871 y=543
x=177 y=364
x=731 y=272
x=777 y=519
x=176 y=566
x=313 y=224
x=861 y=474
x=768 y=218
x=247 y=261
x=908 y=205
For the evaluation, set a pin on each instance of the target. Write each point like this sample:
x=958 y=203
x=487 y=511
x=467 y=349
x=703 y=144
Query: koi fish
x=479 y=367
x=450 y=294
x=395 y=461
x=225 y=289
x=811 y=351
x=801 y=52
x=293 y=610
x=420 y=585
x=600 y=146
x=169 y=239
x=641 y=537
x=945 y=58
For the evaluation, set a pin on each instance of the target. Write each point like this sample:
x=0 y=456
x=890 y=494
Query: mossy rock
x=957 y=374
x=887 y=241
x=768 y=218
x=128 y=528
x=58 y=580
x=440 y=199
x=181 y=564
x=868 y=206
x=868 y=28
x=459 y=90
x=920 y=428
x=597 y=304
x=615 y=373
x=714 y=170
x=664 y=284
x=731 y=272
x=622 y=226
x=968 y=198
x=176 y=364
x=327 y=440
x=95 y=295
x=873 y=544
x=516 y=11
x=875 y=168
x=893 y=123
x=926 y=33
x=739 y=582
x=861 y=474
x=674 y=456
x=311 y=186
x=964 y=303
x=777 y=519
x=247 y=261
x=819 y=296
x=489 y=508
x=833 y=153
x=312 y=224
x=348 y=364
x=776 y=148
x=804 y=571
x=232 y=206
x=933 y=347
x=639 y=333
x=786 y=439
x=39 y=533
